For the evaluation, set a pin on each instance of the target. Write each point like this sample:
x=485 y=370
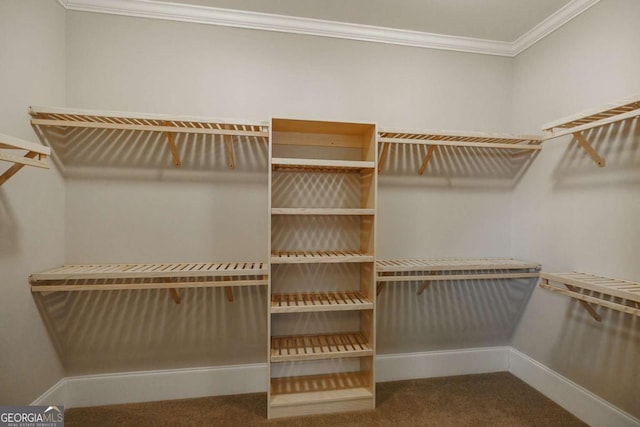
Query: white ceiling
x=501 y=20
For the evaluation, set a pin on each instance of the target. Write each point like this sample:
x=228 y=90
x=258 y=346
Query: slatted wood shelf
x=34 y=155
x=440 y=138
x=244 y=130
x=321 y=301
x=319 y=347
x=301 y=257
x=450 y=264
x=600 y=288
x=597 y=117
x=322 y=211
x=448 y=269
x=628 y=109
x=318 y=165
x=149 y=276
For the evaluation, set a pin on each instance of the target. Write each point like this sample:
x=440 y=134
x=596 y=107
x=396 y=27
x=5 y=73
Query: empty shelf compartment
x=315 y=394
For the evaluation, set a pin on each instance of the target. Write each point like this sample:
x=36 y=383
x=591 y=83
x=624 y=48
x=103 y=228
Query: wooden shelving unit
x=231 y=131
x=447 y=269
x=628 y=109
x=108 y=277
x=334 y=228
x=34 y=155
x=439 y=138
x=591 y=289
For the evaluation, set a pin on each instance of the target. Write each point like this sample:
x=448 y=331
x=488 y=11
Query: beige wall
x=32 y=54
x=573 y=216
x=207 y=212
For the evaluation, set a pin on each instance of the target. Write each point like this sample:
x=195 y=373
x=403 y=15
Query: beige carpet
x=498 y=399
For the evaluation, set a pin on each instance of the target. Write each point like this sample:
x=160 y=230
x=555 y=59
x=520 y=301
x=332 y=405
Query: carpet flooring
x=497 y=399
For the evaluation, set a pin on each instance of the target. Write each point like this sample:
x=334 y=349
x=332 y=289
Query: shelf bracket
x=228 y=290
x=585 y=304
x=380 y=288
x=228 y=146
x=589 y=149
x=427 y=157
x=172 y=147
x=383 y=156
x=423 y=287
x=175 y=295
x=16 y=167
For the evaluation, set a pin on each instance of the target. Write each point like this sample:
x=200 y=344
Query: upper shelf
x=44 y=117
x=627 y=109
x=426 y=270
x=602 y=286
x=436 y=138
x=36 y=155
x=597 y=117
x=108 y=277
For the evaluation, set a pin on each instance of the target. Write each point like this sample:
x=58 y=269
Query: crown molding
x=550 y=24
x=155 y=9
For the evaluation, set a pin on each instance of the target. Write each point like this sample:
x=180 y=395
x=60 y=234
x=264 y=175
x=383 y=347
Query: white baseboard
x=585 y=405
x=56 y=395
x=130 y=387
x=395 y=367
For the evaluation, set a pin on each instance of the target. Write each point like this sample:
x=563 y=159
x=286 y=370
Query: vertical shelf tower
x=322 y=207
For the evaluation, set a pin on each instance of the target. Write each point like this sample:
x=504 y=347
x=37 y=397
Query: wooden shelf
x=318 y=347
x=628 y=109
x=577 y=283
x=321 y=211
x=325 y=301
x=109 y=277
x=437 y=138
x=332 y=392
x=318 y=165
x=169 y=125
x=447 y=269
x=292 y=257
x=36 y=155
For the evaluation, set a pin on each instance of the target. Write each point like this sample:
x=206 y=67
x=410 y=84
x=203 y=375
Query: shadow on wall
x=605 y=355
x=461 y=167
x=86 y=152
x=450 y=315
x=618 y=144
x=119 y=331
x=8 y=227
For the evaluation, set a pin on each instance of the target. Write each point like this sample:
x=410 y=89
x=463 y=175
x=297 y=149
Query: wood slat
x=290 y=390
x=318 y=347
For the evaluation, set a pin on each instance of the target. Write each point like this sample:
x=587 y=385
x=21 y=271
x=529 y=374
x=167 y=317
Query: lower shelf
x=318 y=394
x=318 y=347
